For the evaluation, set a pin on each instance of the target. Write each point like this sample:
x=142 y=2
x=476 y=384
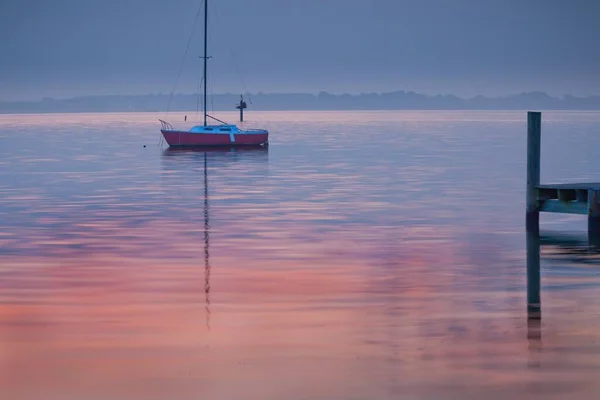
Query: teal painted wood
x=572 y=186
x=567 y=198
x=571 y=207
x=534 y=303
x=581 y=198
x=534 y=134
x=593 y=209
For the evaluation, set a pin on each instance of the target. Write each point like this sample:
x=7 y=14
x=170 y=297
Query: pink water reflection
x=104 y=324
x=310 y=278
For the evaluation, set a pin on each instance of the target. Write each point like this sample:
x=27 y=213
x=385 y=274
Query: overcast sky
x=60 y=48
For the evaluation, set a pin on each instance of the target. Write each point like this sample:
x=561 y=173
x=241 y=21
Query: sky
x=64 y=48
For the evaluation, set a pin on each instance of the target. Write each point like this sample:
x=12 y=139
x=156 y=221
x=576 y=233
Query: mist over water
x=361 y=255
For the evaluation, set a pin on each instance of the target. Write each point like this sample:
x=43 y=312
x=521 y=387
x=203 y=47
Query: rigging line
x=240 y=74
x=187 y=47
x=235 y=64
x=200 y=80
x=212 y=100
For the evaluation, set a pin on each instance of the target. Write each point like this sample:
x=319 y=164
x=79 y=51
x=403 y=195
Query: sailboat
x=212 y=135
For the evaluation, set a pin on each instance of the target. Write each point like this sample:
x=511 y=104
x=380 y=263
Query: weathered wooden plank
x=573 y=186
x=534 y=304
x=566 y=195
x=593 y=208
x=547 y=194
x=534 y=131
x=568 y=198
x=557 y=206
x=581 y=195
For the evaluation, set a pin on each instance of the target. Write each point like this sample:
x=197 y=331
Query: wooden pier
x=568 y=198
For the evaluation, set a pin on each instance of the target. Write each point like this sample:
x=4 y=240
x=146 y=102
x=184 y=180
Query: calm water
x=370 y=255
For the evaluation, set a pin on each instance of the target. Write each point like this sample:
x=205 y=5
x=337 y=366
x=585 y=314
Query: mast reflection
x=206 y=246
x=184 y=161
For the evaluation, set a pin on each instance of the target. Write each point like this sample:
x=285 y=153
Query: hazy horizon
x=68 y=48
x=307 y=93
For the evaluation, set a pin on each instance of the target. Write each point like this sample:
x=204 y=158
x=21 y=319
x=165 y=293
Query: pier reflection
x=571 y=247
x=534 y=309
x=571 y=251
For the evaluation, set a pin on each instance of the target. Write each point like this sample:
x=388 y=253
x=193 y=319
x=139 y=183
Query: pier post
x=594 y=216
x=534 y=128
x=534 y=304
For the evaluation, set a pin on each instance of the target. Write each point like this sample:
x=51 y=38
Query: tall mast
x=205 y=54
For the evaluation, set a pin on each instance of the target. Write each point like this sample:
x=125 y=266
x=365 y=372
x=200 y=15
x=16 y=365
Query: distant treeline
x=398 y=100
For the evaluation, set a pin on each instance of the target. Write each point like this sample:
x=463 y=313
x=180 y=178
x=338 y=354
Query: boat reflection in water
x=242 y=152
x=187 y=159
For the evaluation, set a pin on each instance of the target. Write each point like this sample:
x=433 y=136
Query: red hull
x=183 y=138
